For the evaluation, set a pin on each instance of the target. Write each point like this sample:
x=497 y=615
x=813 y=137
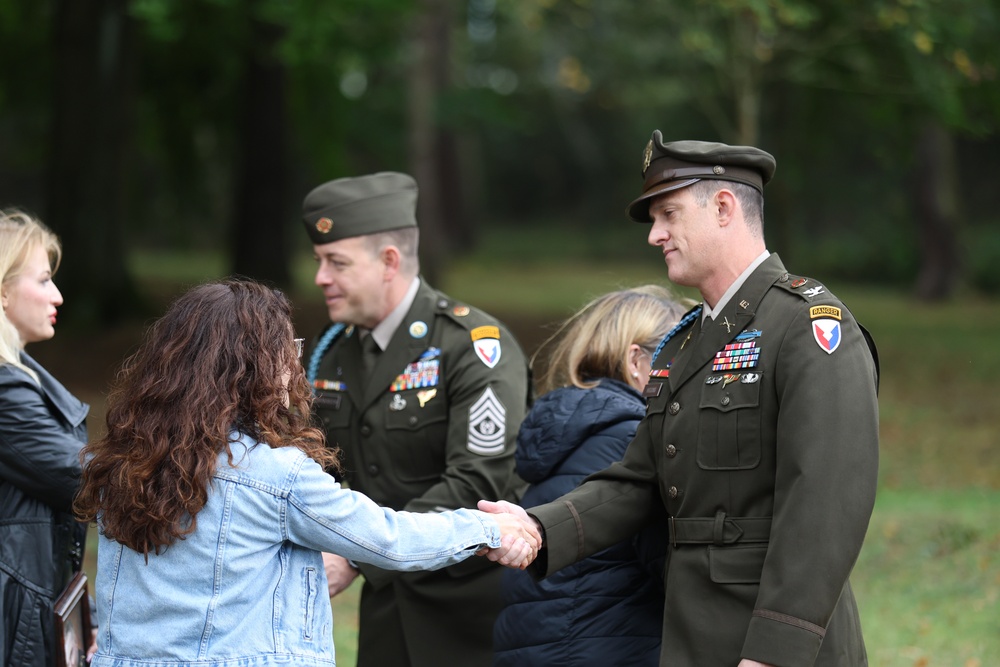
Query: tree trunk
x=433 y=170
x=87 y=186
x=936 y=200
x=260 y=225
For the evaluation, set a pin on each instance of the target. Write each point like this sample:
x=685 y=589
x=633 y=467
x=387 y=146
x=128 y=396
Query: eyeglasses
x=299 y=342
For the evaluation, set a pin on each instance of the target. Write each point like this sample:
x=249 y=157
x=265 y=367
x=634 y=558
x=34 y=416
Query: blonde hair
x=594 y=342
x=20 y=234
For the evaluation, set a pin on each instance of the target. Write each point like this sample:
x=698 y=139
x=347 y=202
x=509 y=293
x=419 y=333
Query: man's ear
x=391 y=259
x=725 y=206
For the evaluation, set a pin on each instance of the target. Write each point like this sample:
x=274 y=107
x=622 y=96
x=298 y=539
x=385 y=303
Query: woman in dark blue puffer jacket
x=607 y=609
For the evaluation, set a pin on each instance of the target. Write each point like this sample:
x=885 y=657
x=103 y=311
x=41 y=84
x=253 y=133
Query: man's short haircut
x=405 y=239
x=750 y=198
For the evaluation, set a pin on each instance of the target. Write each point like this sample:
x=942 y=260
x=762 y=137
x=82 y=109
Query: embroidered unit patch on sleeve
x=824 y=311
x=487 y=424
x=826 y=332
x=486 y=343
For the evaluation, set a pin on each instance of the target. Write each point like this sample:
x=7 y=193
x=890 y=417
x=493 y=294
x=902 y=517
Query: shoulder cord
x=686 y=320
x=322 y=345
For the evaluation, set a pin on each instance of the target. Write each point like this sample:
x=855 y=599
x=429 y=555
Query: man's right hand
x=339 y=573
x=522 y=537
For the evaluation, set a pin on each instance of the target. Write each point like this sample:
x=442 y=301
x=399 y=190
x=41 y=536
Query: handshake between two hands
x=520 y=535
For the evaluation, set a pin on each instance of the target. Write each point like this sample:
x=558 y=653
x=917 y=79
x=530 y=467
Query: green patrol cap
x=678 y=164
x=360 y=205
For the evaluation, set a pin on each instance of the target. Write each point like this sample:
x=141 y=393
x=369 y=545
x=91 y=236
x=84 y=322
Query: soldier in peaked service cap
x=678 y=164
x=424 y=396
x=760 y=437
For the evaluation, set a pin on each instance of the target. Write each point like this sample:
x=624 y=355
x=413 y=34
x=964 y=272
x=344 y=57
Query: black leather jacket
x=42 y=428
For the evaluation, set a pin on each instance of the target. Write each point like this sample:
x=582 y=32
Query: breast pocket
x=334 y=409
x=416 y=430
x=729 y=423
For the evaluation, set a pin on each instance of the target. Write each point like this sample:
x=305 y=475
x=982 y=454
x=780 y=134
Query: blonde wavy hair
x=20 y=234
x=594 y=343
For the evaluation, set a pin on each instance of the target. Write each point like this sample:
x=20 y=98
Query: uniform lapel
x=738 y=314
x=403 y=347
x=350 y=362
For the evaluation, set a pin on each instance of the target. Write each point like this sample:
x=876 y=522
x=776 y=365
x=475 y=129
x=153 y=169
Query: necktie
x=369 y=354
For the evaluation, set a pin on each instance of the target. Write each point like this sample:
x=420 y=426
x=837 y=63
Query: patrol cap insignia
x=826 y=333
x=824 y=311
x=323 y=225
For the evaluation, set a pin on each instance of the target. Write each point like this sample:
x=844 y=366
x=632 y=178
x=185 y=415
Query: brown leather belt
x=720 y=530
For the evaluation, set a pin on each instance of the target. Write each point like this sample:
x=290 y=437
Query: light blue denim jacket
x=247 y=588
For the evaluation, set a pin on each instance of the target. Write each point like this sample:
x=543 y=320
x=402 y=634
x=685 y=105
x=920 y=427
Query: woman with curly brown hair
x=213 y=505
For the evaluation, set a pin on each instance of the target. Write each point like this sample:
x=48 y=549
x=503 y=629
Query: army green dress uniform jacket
x=433 y=428
x=761 y=440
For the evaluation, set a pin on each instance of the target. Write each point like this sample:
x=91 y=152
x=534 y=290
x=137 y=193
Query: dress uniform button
x=671 y=451
x=674 y=408
x=442 y=303
x=373 y=470
x=725 y=400
x=672 y=492
x=366 y=430
x=413 y=420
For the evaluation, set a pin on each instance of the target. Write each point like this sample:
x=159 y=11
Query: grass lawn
x=928 y=579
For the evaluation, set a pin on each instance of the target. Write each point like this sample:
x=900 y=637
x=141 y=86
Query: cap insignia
x=323 y=225
x=718 y=170
x=647 y=156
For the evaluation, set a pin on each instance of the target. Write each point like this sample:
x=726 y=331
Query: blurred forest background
x=169 y=142
x=131 y=124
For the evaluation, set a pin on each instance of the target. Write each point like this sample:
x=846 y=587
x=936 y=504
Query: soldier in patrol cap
x=760 y=437
x=424 y=396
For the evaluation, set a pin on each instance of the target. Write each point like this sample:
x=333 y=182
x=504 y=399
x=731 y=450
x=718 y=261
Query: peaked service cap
x=360 y=205
x=678 y=164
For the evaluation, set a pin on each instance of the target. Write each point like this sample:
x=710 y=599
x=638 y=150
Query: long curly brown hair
x=215 y=363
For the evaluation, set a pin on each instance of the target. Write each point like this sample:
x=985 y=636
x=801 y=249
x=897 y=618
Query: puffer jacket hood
x=564 y=418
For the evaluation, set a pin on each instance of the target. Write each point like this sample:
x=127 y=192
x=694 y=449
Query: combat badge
x=398 y=403
x=486 y=343
x=487 y=424
x=826 y=333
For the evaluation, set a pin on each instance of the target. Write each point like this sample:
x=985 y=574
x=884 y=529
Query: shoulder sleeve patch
x=824 y=311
